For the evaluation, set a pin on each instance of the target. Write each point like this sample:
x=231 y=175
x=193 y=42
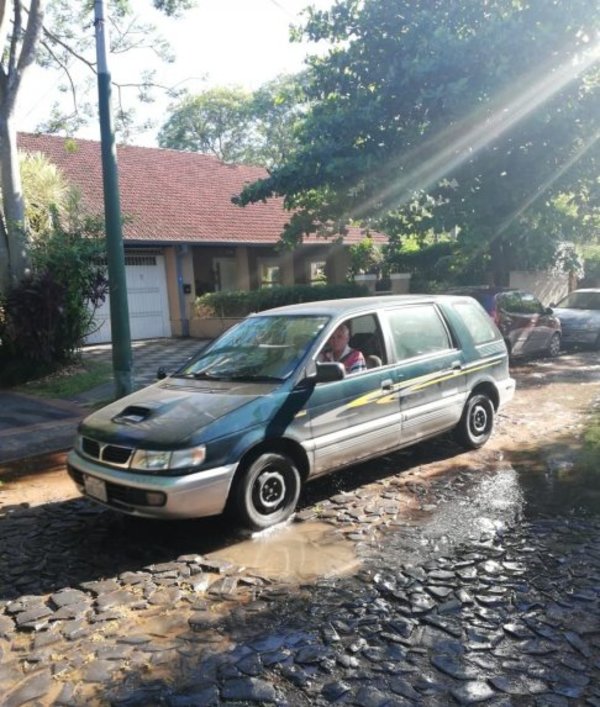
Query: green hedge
x=239 y=304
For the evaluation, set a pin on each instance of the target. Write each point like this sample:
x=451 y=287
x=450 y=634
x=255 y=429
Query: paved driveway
x=148 y=356
x=31 y=425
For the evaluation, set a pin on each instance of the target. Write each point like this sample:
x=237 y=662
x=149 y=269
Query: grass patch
x=69 y=381
x=589 y=458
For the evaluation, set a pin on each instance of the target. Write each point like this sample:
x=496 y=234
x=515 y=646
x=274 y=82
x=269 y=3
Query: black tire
x=267 y=491
x=553 y=349
x=477 y=422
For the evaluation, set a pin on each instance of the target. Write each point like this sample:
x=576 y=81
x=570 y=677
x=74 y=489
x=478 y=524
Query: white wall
x=547 y=286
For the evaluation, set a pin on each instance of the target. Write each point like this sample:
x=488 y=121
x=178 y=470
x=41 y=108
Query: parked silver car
x=579 y=314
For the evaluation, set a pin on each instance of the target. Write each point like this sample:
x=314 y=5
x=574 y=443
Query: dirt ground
x=542 y=424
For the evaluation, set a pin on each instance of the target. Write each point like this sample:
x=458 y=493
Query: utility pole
x=119 y=308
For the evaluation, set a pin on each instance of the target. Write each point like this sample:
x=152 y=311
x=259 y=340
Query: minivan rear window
x=477 y=322
x=417 y=331
x=486 y=299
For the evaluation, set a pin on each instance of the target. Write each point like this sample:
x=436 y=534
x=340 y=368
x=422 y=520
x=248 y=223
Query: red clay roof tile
x=168 y=195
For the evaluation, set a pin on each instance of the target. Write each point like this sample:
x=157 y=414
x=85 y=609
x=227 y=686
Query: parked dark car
x=527 y=326
x=255 y=414
x=579 y=314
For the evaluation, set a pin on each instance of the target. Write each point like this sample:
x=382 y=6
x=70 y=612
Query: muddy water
x=296 y=552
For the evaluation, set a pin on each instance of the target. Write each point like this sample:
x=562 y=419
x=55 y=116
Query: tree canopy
x=59 y=33
x=236 y=125
x=477 y=118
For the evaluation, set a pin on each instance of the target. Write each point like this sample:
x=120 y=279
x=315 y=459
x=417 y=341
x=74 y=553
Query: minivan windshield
x=261 y=348
x=581 y=300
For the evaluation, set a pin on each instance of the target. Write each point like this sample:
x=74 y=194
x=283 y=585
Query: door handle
x=456 y=366
x=387 y=384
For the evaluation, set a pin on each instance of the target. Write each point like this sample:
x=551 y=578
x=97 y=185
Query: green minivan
x=241 y=426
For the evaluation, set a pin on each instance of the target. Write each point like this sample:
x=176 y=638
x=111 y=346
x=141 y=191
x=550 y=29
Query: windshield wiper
x=256 y=378
x=203 y=375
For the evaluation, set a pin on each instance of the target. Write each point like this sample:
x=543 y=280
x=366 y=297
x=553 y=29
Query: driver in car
x=338 y=349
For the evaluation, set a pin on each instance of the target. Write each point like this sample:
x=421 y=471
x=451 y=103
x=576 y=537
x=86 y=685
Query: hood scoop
x=133 y=413
x=151 y=408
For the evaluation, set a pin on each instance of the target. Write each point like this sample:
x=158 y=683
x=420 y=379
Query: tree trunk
x=16 y=56
x=500 y=266
x=13 y=205
x=4 y=257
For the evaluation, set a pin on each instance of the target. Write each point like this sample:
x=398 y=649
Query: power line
x=283 y=9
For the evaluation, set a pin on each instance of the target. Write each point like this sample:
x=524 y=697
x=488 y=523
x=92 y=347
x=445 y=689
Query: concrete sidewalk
x=30 y=425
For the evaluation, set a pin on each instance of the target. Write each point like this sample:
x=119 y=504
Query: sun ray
x=439 y=156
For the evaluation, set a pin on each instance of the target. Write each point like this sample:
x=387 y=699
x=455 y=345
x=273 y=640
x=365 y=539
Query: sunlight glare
x=459 y=143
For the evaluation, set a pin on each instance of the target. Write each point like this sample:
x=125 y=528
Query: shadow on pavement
x=57 y=545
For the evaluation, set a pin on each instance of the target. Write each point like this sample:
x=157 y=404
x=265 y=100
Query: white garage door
x=147 y=298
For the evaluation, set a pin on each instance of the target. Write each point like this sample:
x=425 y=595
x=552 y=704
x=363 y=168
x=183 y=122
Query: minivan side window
x=477 y=321
x=417 y=331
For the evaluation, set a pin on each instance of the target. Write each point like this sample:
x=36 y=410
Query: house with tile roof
x=182 y=234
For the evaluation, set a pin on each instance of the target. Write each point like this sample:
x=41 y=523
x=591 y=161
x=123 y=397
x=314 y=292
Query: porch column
x=338 y=262
x=242 y=266
x=287 y=268
x=184 y=264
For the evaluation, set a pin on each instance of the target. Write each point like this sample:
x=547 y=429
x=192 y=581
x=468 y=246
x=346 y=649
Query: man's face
x=339 y=339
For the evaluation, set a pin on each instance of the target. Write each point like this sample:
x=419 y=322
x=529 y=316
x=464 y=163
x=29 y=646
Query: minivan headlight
x=188 y=457
x=151 y=460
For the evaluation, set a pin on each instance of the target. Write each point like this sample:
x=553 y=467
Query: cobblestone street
x=430 y=577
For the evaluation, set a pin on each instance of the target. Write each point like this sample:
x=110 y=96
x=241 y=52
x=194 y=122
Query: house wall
x=547 y=286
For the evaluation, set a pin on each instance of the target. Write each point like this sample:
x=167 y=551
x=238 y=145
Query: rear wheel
x=554 y=345
x=477 y=422
x=267 y=491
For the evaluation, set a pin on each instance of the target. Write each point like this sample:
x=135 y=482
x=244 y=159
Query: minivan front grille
x=111 y=454
x=90 y=447
x=116 y=455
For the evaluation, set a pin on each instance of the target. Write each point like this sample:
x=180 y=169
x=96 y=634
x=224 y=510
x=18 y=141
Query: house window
x=270 y=273
x=317 y=274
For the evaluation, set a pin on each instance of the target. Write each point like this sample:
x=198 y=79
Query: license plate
x=95 y=488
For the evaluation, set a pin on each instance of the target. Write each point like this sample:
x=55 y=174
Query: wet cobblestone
x=475 y=597
x=509 y=615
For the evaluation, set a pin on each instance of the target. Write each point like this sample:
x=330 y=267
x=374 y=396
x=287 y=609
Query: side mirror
x=161 y=373
x=330 y=371
x=548 y=310
x=552 y=305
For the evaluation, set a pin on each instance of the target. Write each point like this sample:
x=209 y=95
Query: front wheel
x=554 y=345
x=267 y=491
x=477 y=422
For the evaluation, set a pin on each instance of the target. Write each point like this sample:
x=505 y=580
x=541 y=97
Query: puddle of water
x=296 y=552
x=484 y=508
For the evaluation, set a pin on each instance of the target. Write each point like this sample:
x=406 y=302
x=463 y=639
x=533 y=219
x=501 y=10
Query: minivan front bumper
x=203 y=493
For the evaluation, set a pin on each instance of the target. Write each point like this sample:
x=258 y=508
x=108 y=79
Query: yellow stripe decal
x=414 y=384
